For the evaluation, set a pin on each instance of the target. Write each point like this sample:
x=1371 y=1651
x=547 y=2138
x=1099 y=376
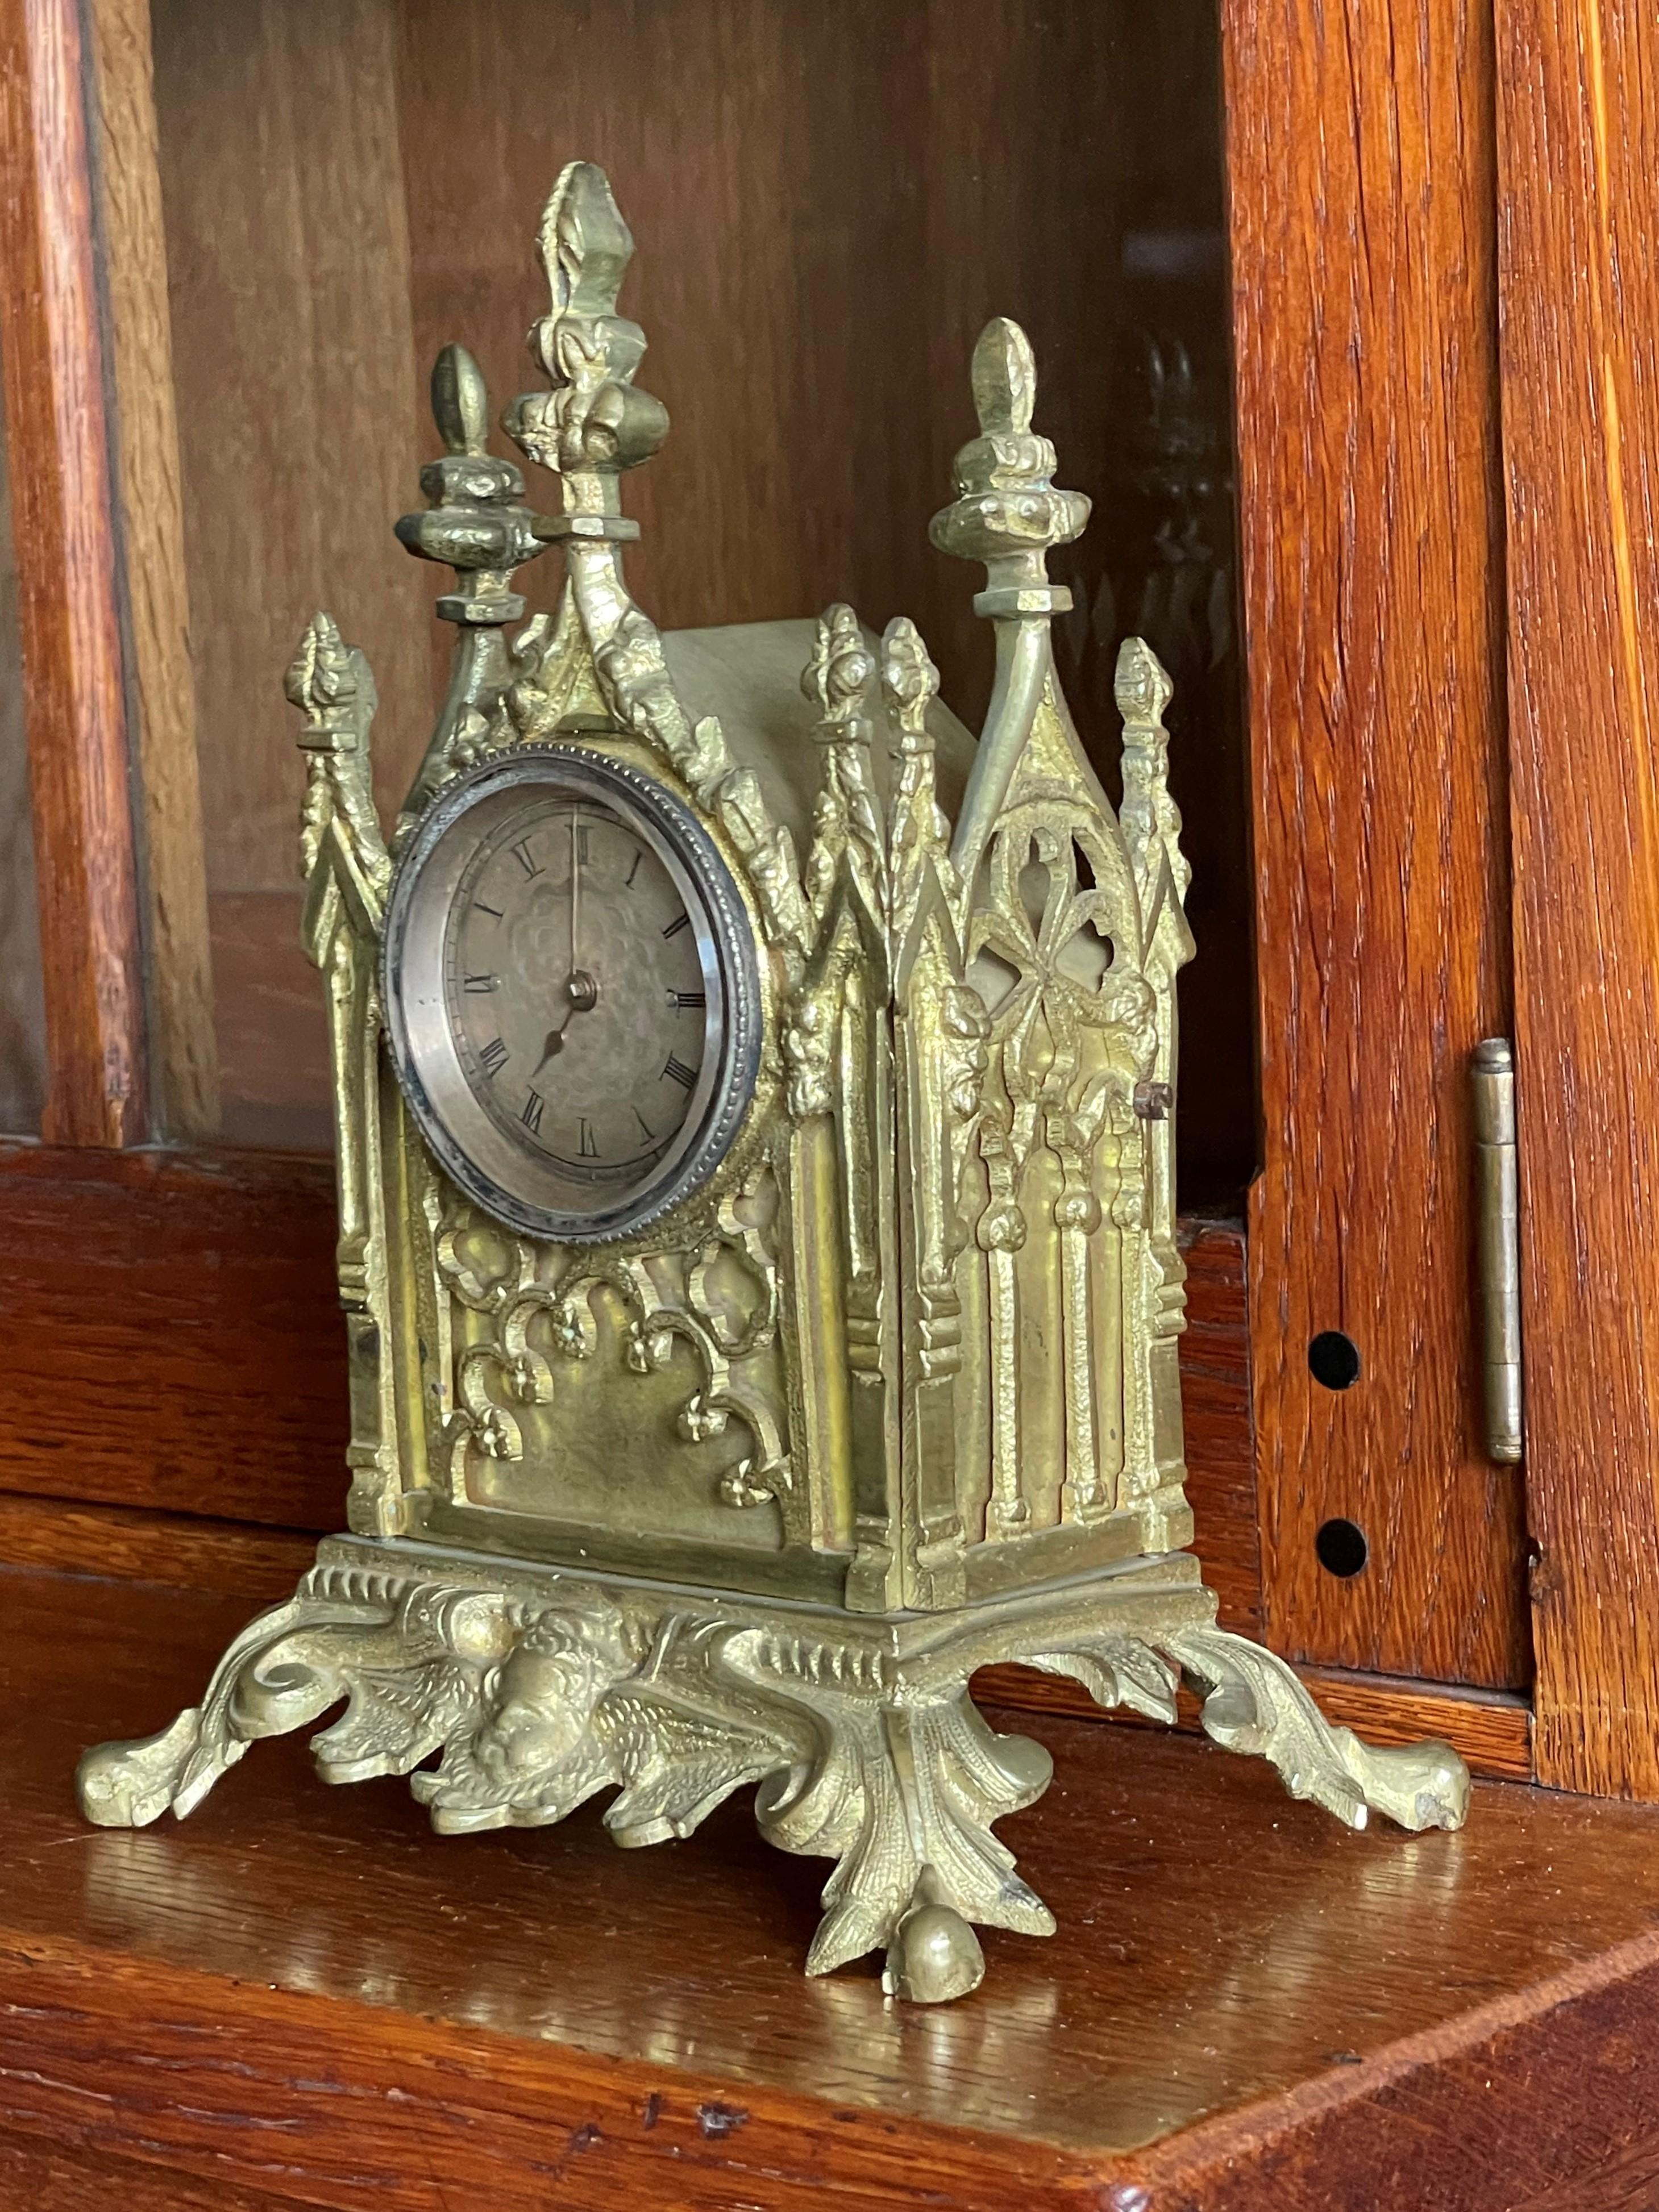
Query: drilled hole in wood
x=1341 y=1547
x=1335 y=1359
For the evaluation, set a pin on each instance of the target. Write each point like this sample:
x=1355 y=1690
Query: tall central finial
x=593 y=423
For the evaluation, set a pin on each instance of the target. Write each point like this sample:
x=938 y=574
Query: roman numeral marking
x=645 y=1127
x=480 y=982
x=493 y=1057
x=585 y=1147
x=680 y=1071
x=685 y=1000
x=680 y=922
x=627 y=880
x=493 y=912
x=583 y=856
x=526 y=857
x=531 y=1114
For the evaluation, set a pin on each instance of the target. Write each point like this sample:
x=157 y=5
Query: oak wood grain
x=1578 y=109
x=297 y=383
x=172 y=1333
x=234 y=1558
x=63 y=532
x=1360 y=154
x=1538 y=2103
x=182 y=1062
x=302 y=1992
x=38 y=2175
x=1492 y=1728
x=22 y=1008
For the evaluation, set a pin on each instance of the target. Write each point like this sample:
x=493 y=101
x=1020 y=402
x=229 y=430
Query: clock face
x=571 y=992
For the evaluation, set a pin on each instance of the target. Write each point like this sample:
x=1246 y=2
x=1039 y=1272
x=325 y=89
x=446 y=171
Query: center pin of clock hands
x=583 y=992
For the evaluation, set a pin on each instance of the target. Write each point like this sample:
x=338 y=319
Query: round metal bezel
x=501 y=1177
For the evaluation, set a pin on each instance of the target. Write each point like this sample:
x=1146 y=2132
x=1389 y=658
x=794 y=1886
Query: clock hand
x=583 y=993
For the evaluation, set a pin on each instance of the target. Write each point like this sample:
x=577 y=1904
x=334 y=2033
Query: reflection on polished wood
x=537 y=2017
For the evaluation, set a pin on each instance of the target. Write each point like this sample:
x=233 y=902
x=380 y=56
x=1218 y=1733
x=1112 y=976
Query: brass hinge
x=1498 y=1237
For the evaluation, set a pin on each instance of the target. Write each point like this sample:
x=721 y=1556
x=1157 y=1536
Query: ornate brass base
x=541 y=1687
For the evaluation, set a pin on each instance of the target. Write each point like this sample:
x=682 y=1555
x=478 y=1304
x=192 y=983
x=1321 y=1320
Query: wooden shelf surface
x=301 y=1996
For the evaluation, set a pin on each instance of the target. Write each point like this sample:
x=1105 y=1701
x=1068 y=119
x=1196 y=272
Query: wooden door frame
x=63 y=529
x=1361 y=158
x=1577 y=86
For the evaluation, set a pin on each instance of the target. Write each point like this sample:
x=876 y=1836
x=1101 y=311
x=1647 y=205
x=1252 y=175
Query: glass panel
x=828 y=197
x=22 y=1011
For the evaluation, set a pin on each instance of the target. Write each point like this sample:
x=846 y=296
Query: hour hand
x=555 y=1044
x=582 y=991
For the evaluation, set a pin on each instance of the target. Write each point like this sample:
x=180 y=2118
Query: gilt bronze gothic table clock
x=756 y=1207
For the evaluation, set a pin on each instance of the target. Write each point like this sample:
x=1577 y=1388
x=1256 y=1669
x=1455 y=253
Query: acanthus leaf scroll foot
x=902 y=1794
x=284 y=1670
x=535 y=1705
x=1255 y=1703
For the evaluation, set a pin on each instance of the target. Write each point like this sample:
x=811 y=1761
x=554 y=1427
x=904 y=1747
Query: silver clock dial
x=575 y=989
x=571 y=993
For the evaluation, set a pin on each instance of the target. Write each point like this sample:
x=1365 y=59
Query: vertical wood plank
x=22 y=1011
x=298 y=390
x=184 y=1062
x=299 y=396
x=1360 y=156
x=1578 y=111
x=62 y=526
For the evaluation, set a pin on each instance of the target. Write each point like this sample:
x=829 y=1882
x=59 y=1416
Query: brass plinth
x=541 y=1687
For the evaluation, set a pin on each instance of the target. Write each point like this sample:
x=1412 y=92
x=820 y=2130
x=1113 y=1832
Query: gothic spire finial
x=837 y=677
x=593 y=421
x=1007 y=511
x=477 y=523
x=1005 y=380
x=460 y=402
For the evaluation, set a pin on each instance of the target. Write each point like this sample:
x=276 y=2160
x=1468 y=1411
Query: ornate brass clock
x=756 y=1207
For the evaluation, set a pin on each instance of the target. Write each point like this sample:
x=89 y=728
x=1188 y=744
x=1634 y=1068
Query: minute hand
x=575 y=892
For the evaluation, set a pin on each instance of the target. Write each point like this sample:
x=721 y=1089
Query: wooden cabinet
x=1369 y=414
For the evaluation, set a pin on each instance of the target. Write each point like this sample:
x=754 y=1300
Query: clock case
x=893 y=1395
